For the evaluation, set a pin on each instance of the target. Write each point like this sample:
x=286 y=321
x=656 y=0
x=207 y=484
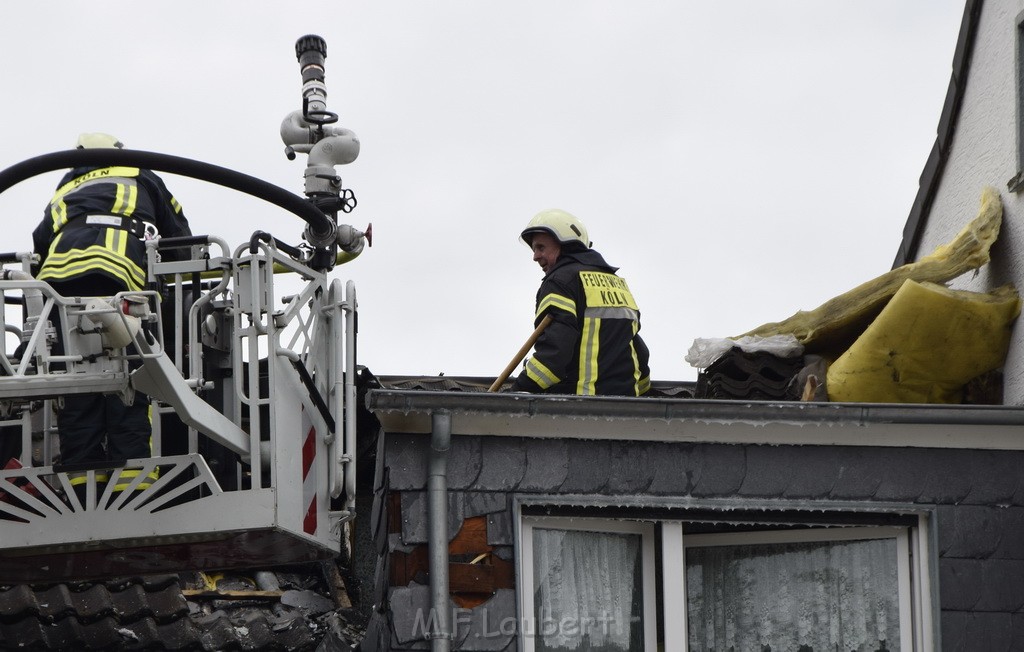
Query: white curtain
x=817 y=597
x=587 y=591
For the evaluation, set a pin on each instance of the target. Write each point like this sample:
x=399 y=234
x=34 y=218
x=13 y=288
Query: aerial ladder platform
x=253 y=392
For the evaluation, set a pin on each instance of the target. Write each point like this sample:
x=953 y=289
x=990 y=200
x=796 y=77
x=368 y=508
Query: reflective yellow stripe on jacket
x=125 y=199
x=642 y=385
x=589 y=345
x=556 y=301
x=540 y=374
x=123 y=481
x=127 y=191
x=67 y=264
x=608 y=297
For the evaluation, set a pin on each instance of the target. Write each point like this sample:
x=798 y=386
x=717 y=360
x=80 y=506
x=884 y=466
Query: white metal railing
x=287 y=412
x=33 y=494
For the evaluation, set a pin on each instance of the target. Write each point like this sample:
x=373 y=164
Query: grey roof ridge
x=929 y=179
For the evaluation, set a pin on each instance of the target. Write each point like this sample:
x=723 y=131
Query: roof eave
x=708 y=421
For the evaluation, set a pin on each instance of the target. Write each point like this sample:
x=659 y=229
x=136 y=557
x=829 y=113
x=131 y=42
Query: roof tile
x=1001 y=473
x=968 y=532
x=588 y=468
x=500 y=530
x=946 y=483
x=406 y=457
x=860 y=474
x=675 y=468
x=628 y=470
x=724 y=467
x=463 y=461
x=491 y=626
x=769 y=472
x=547 y=464
x=960 y=585
x=479 y=503
x=17 y=601
x=415 y=523
x=503 y=463
x=980 y=631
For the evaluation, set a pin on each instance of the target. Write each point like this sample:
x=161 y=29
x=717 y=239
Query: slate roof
x=659 y=389
x=930 y=176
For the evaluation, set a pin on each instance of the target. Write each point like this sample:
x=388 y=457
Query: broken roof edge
x=703 y=421
x=930 y=176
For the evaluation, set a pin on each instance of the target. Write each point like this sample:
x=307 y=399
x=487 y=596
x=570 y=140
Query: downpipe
x=437 y=538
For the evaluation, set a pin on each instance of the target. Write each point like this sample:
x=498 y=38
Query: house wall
x=976 y=497
x=983 y=152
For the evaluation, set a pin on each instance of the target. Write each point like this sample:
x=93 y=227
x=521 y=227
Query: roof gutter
x=946 y=426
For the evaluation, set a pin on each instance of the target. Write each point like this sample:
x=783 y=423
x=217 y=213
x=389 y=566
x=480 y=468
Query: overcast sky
x=738 y=160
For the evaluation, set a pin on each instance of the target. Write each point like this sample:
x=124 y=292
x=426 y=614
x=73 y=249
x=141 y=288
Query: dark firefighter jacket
x=97 y=223
x=592 y=346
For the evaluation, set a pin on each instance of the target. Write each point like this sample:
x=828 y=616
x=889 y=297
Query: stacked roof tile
x=154 y=613
x=743 y=375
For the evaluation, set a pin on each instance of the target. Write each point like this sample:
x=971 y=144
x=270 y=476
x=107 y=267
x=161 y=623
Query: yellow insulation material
x=830 y=328
x=925 y=345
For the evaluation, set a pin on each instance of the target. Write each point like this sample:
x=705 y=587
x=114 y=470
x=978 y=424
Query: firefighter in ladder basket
x=91 y=243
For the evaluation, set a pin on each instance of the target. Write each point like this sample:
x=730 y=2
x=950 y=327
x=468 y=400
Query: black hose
x=180 y=242
x=319 y=223
x=263 y=236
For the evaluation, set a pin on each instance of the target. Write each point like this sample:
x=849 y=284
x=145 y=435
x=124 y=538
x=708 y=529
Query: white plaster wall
x=984 y=153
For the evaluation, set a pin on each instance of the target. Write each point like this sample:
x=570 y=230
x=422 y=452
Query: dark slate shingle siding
x=1002 y=473
x=977 y=496
x=415 y=526
x=502 y=465
x=972 y=531
x=482 y=465
x=977 y=632
x=547 y=464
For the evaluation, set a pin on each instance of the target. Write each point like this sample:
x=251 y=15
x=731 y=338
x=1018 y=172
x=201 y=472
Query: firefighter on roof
x=592 y=345
x=91 y=242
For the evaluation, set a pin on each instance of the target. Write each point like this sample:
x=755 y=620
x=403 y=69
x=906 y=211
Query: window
x=588 y=585
x=680 y=586
x=792 y=590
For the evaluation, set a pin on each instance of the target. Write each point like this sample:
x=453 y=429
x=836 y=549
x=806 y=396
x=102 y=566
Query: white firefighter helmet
x=97 y=140
x=563 y=226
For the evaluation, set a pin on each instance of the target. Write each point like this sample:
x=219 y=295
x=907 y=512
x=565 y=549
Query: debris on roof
x=746 y=375
x=833 y=326
x=279 y=610
x=925 y=345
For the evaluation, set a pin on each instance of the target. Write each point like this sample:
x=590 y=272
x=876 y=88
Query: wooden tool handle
x=500 y=380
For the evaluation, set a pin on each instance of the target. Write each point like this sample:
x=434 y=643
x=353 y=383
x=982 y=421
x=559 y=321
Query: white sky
x=739 y=160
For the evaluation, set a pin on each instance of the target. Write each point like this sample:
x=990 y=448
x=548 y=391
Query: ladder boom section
x=253 y=418
x=160 y=379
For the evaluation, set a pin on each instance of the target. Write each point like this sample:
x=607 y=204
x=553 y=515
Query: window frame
x=664 y=558
x=646 y=530
x=901 y=534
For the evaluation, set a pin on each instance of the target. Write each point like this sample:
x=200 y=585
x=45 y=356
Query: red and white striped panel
x=309 y=521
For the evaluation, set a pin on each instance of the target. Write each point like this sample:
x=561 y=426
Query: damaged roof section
x=831 y=327
x=172 y=612
x=901 y=337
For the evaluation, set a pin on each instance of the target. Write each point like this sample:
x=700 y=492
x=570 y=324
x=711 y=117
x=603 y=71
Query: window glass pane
x=835 y=595
x=588 y=591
